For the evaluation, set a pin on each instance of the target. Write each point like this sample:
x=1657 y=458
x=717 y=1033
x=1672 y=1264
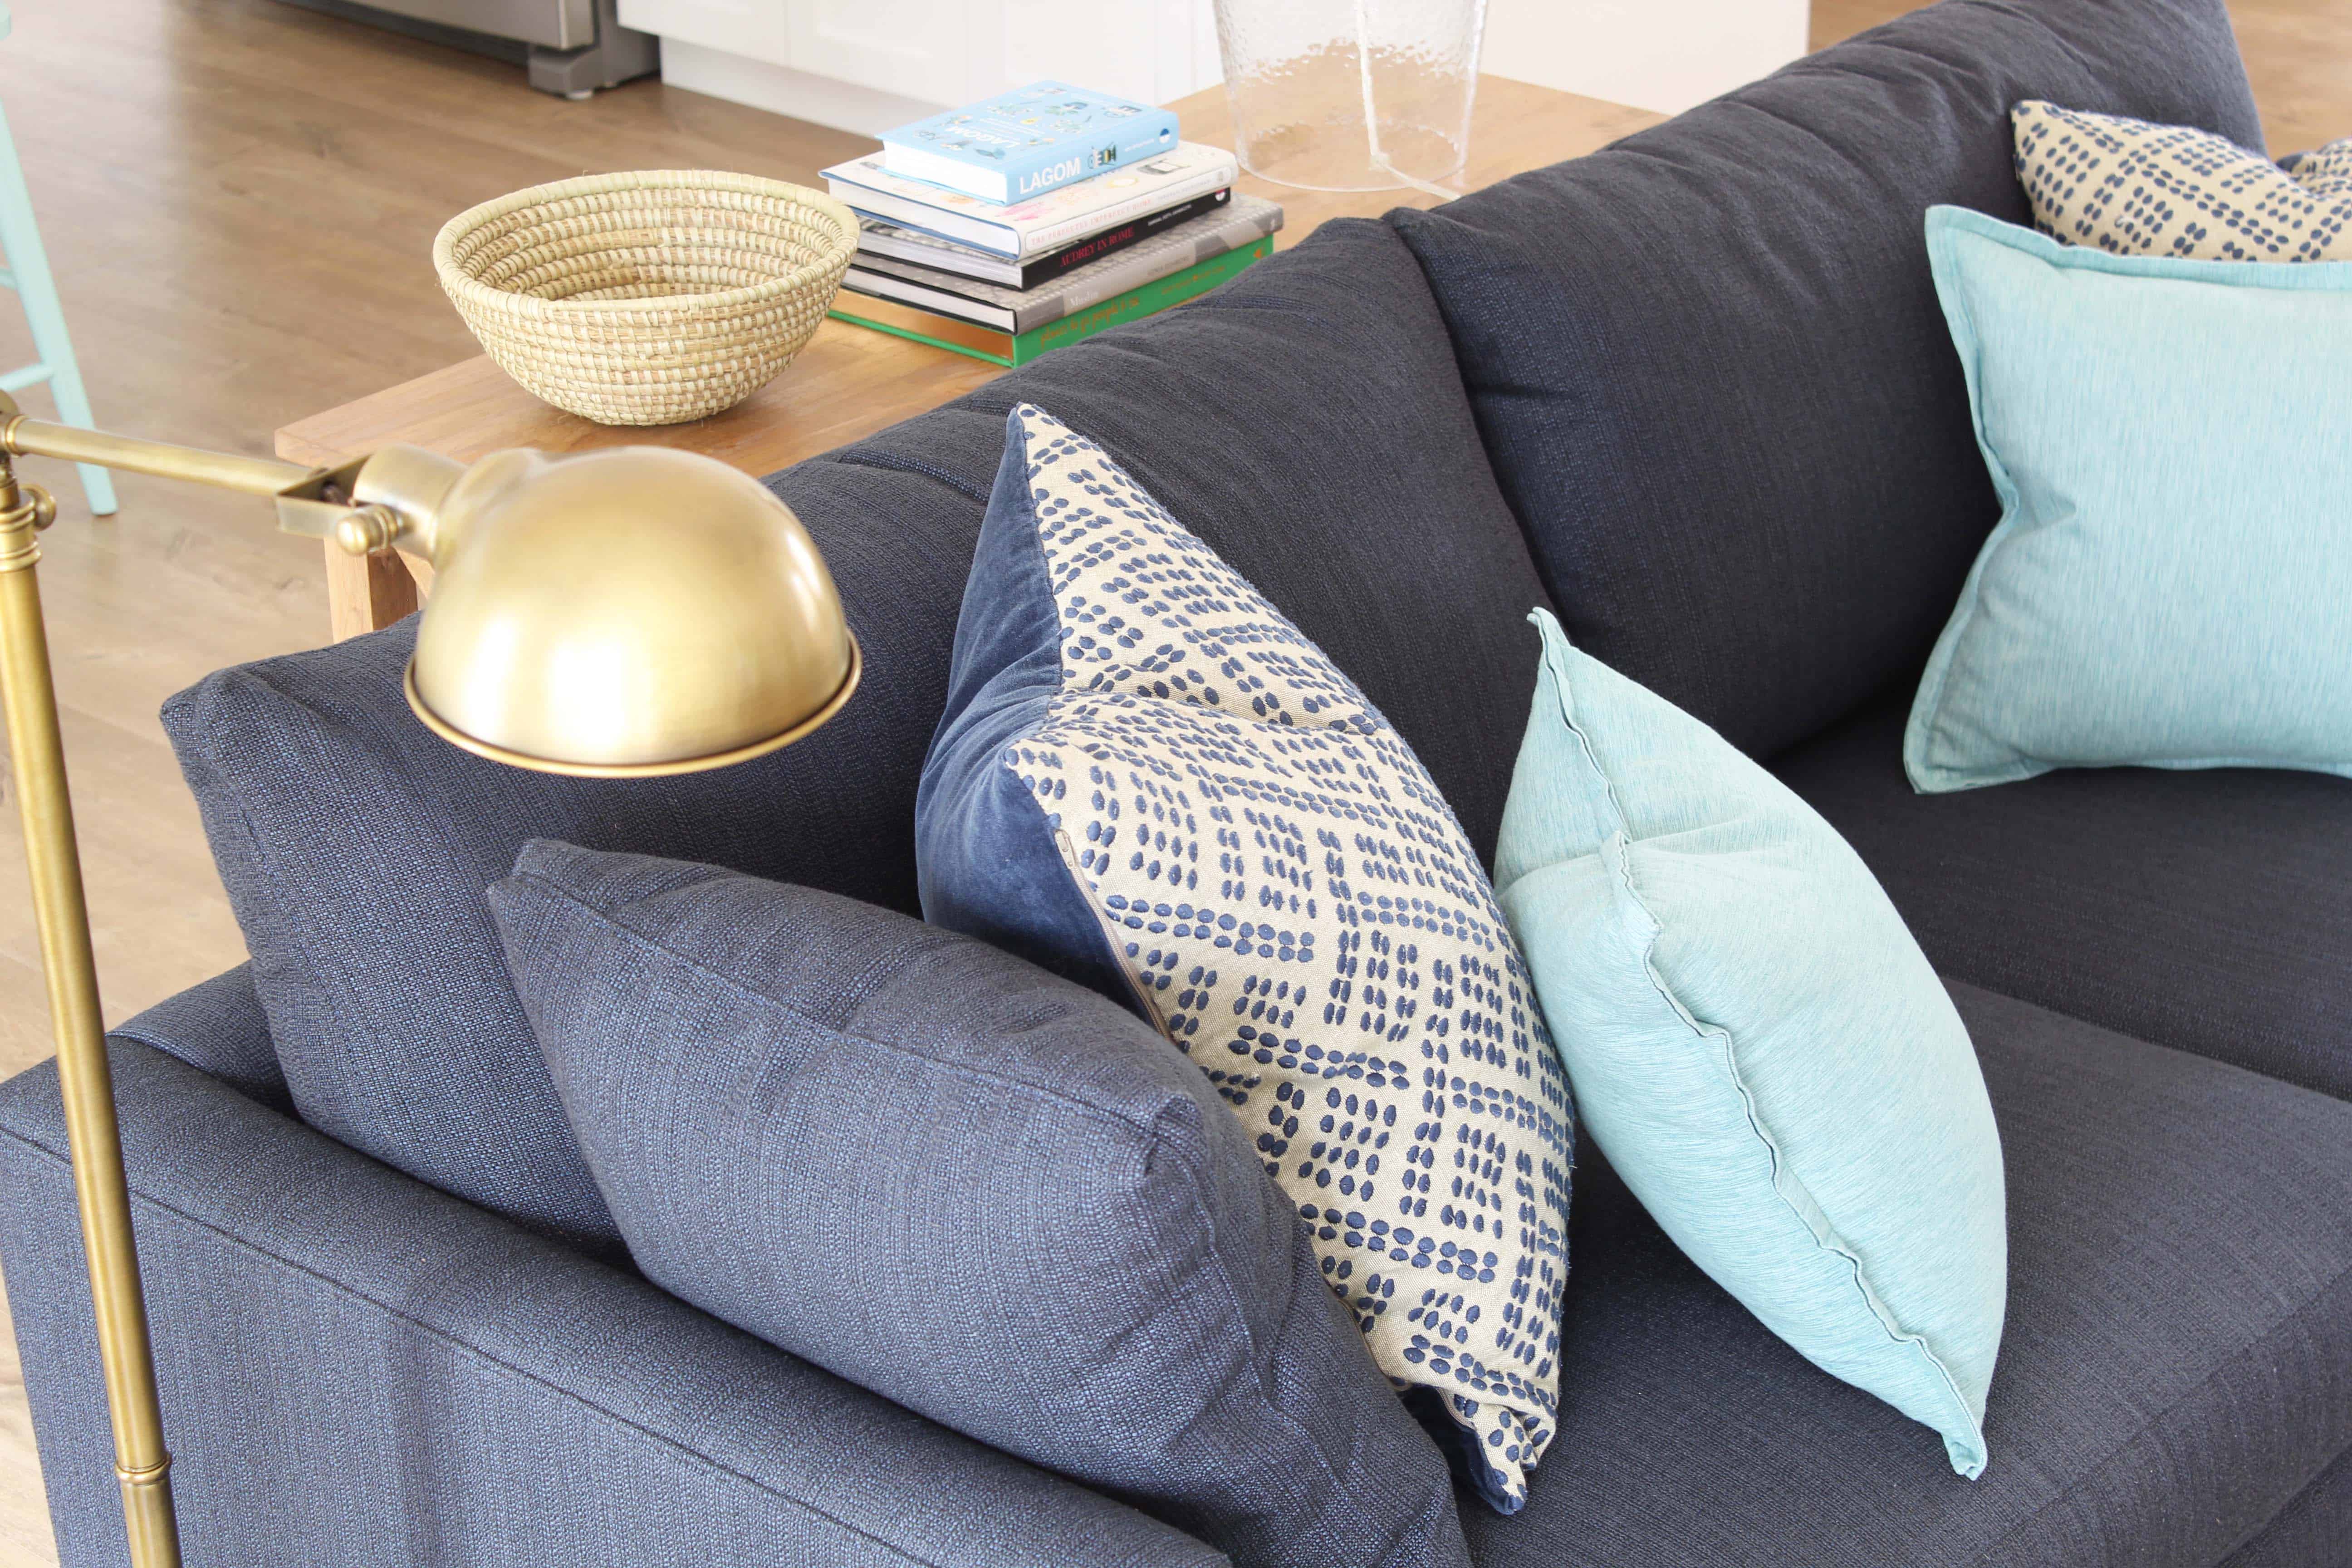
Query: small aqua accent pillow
x=1757 y=1043
x=1149 y=780
x=2171 y=584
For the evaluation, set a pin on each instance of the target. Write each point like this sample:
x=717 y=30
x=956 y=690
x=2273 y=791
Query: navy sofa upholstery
x=358 y=1370
x=2207 y=911
x=357 y=1367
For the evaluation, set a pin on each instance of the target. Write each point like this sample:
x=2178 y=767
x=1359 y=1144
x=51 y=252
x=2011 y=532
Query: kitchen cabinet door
x=915 y=48
x=756 y=29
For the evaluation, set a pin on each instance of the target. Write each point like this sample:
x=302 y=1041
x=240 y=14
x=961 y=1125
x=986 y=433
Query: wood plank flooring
x=239 y=198
x=2298 y=56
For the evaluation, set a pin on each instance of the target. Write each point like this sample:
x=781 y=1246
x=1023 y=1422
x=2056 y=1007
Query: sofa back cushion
x=1307 y=419
x=1708 y=363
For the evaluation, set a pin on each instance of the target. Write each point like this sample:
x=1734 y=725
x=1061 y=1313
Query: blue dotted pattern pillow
x=1150 y=780
x=2132 y=188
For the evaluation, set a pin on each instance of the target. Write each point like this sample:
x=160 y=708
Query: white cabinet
x=915 y=48
x=867 y=65
x=754 y=28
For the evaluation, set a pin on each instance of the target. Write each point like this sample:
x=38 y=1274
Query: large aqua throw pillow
x=1757 y=1044
x=2171 y=584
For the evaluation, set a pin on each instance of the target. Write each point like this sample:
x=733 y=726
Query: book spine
x=1136 y=304
x=922 y=327
x=1001 y=348
x=1117 y=237
x=1145 y=136
x=988 y=184
x=1120 y=277
x=997 y=238
x=1054 y=236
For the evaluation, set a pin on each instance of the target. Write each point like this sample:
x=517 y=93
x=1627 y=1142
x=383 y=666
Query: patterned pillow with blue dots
x=2132 y=188
x=1147 y=779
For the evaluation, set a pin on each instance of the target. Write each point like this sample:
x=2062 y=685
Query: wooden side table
x=848 y=382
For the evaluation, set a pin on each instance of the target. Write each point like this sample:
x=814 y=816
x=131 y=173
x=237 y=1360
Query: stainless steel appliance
x=567 y=46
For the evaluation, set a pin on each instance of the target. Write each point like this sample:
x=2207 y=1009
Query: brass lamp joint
x=154 y=1475
x=28 y=510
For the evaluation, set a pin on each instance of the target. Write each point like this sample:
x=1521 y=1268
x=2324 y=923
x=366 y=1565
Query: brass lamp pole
x=623 y=614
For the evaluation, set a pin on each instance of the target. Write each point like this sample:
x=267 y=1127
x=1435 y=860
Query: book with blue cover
x=1028 y=141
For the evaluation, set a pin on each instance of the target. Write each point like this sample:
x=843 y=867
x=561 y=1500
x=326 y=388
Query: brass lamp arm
x=367 y=506
x=27 y=437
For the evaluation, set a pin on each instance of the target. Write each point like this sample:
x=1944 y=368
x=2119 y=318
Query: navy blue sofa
x=1690 y=391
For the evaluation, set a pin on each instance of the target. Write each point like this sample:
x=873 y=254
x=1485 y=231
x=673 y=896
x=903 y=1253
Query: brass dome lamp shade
x=622 y=614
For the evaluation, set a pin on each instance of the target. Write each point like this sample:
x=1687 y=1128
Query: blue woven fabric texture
x=2210 y=910
x=358 y=1371
x=408 y=1379
x=1757 y=1044
x=2168 y=586
x=2176 y=1373
x=1709 y=368
x=989 y=1195
x=220 y=1028
x=355 y=846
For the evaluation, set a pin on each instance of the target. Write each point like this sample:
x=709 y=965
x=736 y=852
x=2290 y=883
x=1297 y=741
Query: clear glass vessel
x=1351 y=95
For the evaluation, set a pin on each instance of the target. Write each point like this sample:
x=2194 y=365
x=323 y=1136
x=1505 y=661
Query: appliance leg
x=618 y=55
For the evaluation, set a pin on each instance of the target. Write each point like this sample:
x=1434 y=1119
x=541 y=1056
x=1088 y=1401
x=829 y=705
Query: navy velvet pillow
x=1708 y=363
x=981 y=1191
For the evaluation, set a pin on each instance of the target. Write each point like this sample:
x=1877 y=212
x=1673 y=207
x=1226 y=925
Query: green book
x=964 y=337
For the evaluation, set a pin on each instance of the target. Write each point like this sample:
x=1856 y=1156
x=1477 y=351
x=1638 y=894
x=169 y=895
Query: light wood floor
x=2298 y=54
x=238 y=199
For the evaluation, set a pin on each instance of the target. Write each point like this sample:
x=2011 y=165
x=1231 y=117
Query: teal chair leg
x=28 y=264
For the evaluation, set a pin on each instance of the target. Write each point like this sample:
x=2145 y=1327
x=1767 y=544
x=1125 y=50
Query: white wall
x=1664 y=55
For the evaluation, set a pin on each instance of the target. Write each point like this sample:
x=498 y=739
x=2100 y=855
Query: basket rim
x=466 y=289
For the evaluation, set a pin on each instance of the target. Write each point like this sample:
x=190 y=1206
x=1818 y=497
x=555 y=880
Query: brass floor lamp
x=623 y=614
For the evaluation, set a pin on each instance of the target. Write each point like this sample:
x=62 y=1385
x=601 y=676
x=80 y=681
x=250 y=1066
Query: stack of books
x=1038 y=219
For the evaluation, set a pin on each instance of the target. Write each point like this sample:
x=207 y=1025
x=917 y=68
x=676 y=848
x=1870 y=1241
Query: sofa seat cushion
x=2210 y=910
x=1708 y=363
x=2177 y=1370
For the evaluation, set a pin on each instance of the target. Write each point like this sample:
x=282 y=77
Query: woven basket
x=646 y=298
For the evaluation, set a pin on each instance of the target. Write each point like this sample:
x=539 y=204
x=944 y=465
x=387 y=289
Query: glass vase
x=1351 y=95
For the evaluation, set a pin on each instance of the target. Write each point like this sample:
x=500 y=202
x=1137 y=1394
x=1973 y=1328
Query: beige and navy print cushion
x=2136 y=189
x=1149 y=780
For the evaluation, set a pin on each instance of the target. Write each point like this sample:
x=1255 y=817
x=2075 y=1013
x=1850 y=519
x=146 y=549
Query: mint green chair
x=28 y=272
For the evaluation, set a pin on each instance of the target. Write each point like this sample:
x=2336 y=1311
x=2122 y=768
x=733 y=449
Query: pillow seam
x=1622 y=867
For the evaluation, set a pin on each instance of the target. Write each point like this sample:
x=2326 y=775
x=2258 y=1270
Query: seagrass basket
x=646 y=298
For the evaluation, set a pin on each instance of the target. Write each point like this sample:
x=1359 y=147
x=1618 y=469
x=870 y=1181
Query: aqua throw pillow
x=1149 y=780
x=2171 y=584
x=1757 y=1043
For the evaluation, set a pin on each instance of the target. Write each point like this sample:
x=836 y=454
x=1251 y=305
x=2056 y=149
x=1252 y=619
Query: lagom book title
x=1028 y=141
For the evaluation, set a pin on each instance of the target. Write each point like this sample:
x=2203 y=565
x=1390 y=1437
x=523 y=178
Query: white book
x=1023 y=229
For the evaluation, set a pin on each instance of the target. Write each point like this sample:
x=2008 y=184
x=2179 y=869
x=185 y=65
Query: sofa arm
x=219 y=1026
x=358 y=1369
